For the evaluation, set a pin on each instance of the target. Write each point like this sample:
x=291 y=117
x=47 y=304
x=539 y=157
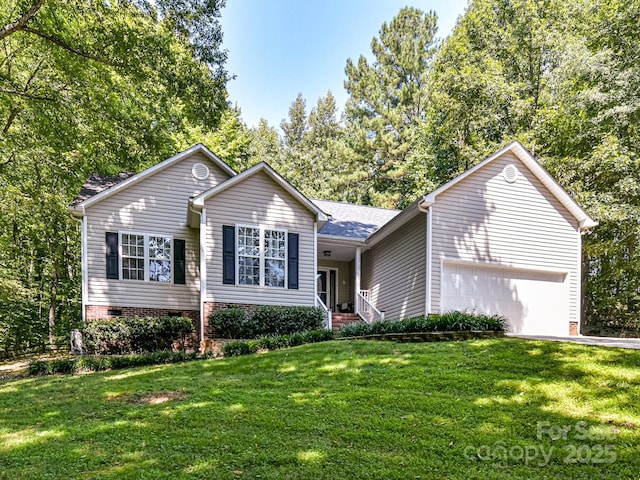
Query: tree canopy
x=91 y=86
x=88 y=86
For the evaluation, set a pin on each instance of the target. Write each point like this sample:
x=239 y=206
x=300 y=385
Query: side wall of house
x=487 y=220
x=395 y=271
x=155 y=205
x=259 y=201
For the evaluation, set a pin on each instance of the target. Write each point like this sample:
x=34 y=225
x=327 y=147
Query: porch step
x=339 y=320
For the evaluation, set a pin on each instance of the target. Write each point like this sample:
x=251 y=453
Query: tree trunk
x=52 y=306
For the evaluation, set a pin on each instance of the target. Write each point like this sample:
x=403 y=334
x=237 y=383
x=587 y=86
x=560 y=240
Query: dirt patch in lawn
x=155 y=398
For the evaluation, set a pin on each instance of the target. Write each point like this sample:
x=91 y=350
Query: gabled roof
x=351 y=221
x=198 y=202
x=584 y=220
x=95 y=193
x=97 y=183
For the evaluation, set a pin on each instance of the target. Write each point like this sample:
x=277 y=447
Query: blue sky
x=279 y=48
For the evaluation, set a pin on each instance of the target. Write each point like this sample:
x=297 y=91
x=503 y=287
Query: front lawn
x=505 y=408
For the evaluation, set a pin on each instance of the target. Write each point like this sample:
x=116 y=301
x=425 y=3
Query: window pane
x=274 y=273
x=160 y=247
x=248 y=241
x=248 y=271
x=274 y=244
x=159 y=271
x=132 y=257
x=159 y=259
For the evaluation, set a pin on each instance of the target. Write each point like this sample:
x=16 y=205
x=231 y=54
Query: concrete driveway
x=600 y=341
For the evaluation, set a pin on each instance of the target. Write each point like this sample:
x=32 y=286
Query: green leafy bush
x=100 y=363
x=233 y=349
x=117 y=336
x=279 y=320
x=446 y=322
x=39 y=367
x=229 y=322
x=265 y=320
x=275 y=342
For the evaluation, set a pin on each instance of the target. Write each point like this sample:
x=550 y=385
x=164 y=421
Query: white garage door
x=534 y=302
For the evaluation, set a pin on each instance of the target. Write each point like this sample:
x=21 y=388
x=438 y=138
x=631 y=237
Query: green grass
x=353 y=410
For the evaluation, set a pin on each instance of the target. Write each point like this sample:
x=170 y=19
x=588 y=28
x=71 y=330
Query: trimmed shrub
x=100 y=363
x=279 y=320
x=265 y=320
x=122 y=335
x=229 y=322
x=275 y=342
x=446 y=322
x=233 y=349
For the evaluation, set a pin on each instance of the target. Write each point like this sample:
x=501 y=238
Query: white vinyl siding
x=394 y=270
x=259 y=201
x=155 y=204
x=484 y=219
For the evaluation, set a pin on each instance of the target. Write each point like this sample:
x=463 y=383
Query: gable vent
x=510 y=173
x=200 y=171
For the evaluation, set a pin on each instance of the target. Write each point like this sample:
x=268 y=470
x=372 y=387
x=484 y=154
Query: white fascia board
x=321 y=217
x=341 y=240
x=584 y=220
x=199 y=148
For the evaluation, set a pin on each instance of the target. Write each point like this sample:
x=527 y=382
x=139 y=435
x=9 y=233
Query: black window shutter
x=112 y=255
x=228 y=254
x=179 y=261
x=292 y=260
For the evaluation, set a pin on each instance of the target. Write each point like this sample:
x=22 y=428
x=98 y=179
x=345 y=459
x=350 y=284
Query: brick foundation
x=573 y=328
x=99 y=312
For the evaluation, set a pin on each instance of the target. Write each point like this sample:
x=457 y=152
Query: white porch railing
x=366 y=309
x=327 y=312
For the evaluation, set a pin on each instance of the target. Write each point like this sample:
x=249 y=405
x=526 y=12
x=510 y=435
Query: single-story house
x=190 y=235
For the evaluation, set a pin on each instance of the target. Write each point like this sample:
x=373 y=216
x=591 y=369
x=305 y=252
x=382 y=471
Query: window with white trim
x=146 y=257
x=159 y=259
x=261 y=255
x=132 y=256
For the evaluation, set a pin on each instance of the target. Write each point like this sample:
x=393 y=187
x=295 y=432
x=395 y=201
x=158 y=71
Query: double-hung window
x=261 y=256
x=146 y=257
x=159 y=251
x=132 y=256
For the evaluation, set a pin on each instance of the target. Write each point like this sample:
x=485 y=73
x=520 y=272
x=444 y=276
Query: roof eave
x=198 y=148
x=341 y=239
x=584 y=220
x=321 y=217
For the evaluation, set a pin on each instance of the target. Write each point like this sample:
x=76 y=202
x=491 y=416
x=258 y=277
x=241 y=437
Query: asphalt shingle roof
x=97 y=183
x=354 y=221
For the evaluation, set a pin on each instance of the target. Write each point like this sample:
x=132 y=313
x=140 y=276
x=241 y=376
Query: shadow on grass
x=333 y=410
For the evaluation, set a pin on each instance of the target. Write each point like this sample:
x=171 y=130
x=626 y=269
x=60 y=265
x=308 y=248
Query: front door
x=327 y=286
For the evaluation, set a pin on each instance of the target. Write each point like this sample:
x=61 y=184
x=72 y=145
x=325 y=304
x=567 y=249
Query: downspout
x=203 y=270
x=426 y=208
